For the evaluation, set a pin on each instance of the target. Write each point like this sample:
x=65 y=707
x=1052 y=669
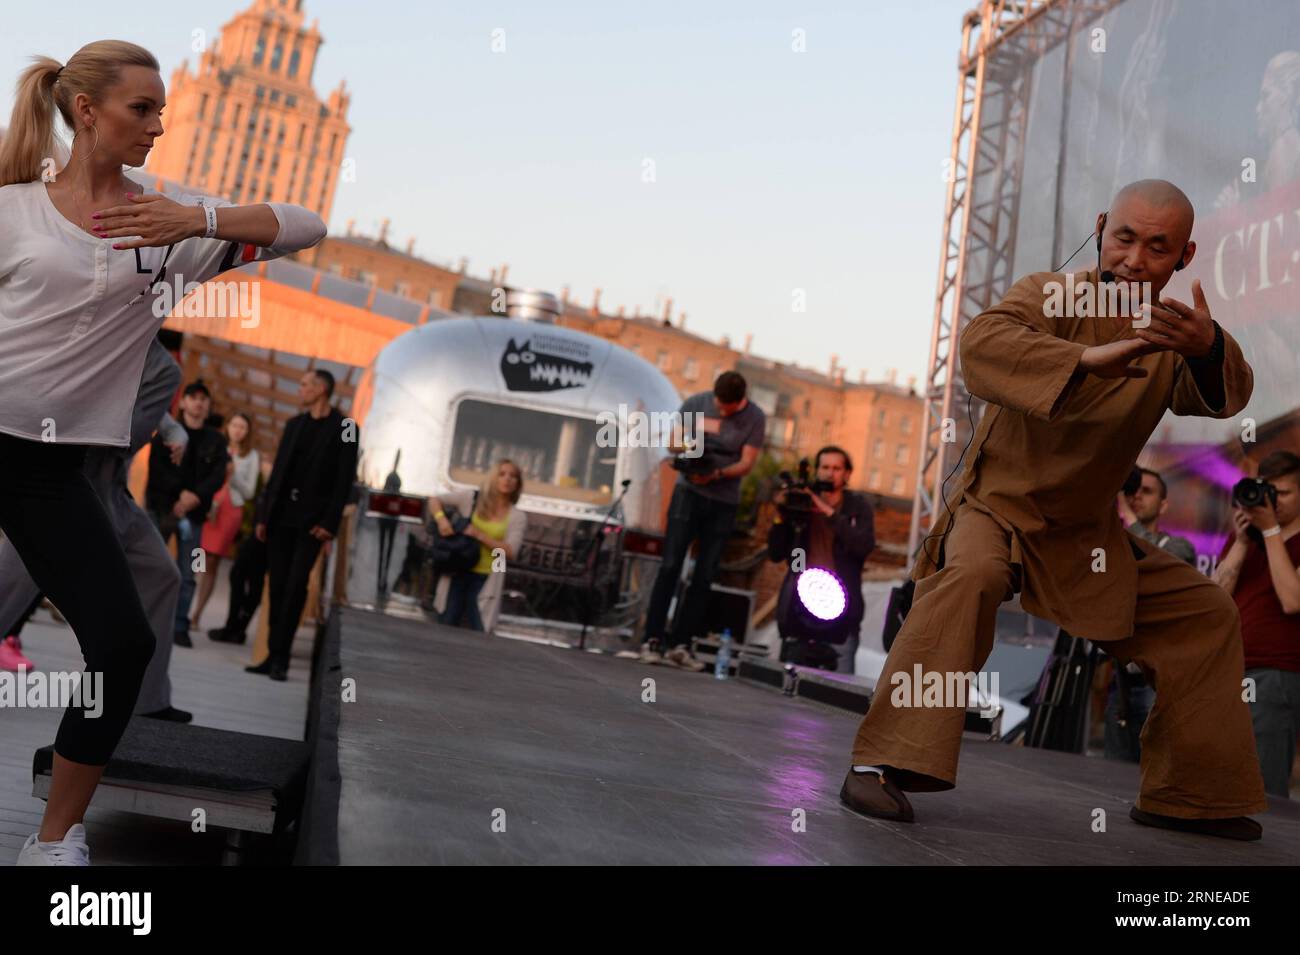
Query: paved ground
x=453 y=732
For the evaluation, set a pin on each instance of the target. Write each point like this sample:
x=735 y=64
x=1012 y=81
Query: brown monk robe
x=1033 y=509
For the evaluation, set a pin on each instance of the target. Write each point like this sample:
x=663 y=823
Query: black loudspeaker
x=729 y=608
x=900 y=602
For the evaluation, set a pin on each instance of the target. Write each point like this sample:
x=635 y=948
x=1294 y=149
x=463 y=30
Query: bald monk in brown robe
x=1072 y=402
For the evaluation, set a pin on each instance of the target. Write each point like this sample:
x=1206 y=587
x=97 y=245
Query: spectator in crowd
x=839 y=535
x=703 y=508
x=220 y=531
x=310 y=483
x=1130 y=698
x=178 y=496
x=1258 y=566
x=474 y=595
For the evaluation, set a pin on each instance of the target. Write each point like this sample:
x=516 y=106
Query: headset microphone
x=1107 y=275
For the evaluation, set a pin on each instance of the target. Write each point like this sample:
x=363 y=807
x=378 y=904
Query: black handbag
x=456 y=552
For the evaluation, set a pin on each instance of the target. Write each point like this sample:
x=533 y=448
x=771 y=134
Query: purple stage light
x=821 y=593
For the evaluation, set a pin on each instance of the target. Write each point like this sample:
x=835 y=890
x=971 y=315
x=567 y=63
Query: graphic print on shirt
x=152 y=262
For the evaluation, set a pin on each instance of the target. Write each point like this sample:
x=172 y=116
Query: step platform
x=245 y=783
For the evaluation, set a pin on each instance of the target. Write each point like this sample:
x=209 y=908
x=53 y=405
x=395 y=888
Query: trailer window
x=557 y=453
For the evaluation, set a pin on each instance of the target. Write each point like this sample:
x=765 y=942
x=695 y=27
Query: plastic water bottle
x=722 y=665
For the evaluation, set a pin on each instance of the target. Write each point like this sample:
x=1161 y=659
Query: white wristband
x=211 y=215
x=1272 y=531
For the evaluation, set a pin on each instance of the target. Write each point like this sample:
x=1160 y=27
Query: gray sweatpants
x=156 y=578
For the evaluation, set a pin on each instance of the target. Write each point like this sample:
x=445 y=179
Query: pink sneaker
x=11 y=655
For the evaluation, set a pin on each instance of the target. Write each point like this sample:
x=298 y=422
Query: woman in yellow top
x=498 y=525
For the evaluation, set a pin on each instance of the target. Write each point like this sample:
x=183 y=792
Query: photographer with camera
x=703 y=508
x=1258 y=567
x=1142 y=501
x=822 y=524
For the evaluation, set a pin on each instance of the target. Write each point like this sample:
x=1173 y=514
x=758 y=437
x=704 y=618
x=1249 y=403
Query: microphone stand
x=594 y=544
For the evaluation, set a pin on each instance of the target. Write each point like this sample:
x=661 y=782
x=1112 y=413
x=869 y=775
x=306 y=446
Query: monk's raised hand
x=1113 y=360
x=1188 y=330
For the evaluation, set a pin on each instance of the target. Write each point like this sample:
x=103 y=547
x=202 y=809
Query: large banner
x=1206 y=94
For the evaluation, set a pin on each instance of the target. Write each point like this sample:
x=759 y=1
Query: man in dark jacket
x=310 y=482
x=839 y=534
x=179 y=496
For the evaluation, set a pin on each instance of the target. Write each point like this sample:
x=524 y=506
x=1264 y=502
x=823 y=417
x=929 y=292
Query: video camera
x=799 y=491
x=1254 y=492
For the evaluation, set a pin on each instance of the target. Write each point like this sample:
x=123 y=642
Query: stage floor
x=467 y=749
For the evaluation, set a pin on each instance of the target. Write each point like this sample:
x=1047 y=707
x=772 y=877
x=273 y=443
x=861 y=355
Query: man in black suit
x=313 y=473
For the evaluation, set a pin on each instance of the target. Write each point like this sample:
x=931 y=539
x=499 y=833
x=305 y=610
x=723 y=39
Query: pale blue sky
x=774 y=170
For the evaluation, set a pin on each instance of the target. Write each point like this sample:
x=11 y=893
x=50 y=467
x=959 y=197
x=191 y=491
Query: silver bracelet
x=1272 y=531
x=211 y=215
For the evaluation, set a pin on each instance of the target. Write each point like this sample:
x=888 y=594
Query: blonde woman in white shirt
x=85 y=254
x=220 y=531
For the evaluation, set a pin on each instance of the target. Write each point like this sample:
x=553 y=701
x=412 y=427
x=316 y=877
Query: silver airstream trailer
x=442 y=403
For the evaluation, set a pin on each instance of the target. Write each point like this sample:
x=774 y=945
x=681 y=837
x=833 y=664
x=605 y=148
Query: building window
x=203 y=105
x=336 y=268
x=402 y=288
x=900 y=457
x=826 y=430
x=277 y=55
x=905 y=424
x=896 y=486
x=807 y=407
x=664 y=361
x=874 y=479
x=878 y=449
x=690 y=370
x=290 y=100
x=259 y=51
x=881 y=418
x=294 y=59
x=234 y=124
x=275 y=96
x=366 y=278
x=435 y=298
x=259 y=93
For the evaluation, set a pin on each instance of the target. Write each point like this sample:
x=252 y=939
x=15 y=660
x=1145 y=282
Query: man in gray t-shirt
x=1132 y=697
x=704 y=504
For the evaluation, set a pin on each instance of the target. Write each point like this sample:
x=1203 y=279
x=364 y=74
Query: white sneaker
x=71 y=850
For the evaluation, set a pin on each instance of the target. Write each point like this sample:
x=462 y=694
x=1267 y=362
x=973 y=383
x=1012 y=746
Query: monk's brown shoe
x=1242 y=828
x=873 y=794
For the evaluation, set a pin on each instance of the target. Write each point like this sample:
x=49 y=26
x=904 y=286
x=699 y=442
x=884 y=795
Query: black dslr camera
x=705 y=463
x=1254 y=492
x=799 y=491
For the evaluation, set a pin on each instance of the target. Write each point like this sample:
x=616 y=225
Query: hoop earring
x=72 y=145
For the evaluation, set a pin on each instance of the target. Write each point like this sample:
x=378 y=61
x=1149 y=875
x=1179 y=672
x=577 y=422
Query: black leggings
x=61 y=531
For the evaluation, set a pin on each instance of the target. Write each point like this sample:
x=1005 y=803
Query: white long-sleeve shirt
x=77 y=316
x=243 y=479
